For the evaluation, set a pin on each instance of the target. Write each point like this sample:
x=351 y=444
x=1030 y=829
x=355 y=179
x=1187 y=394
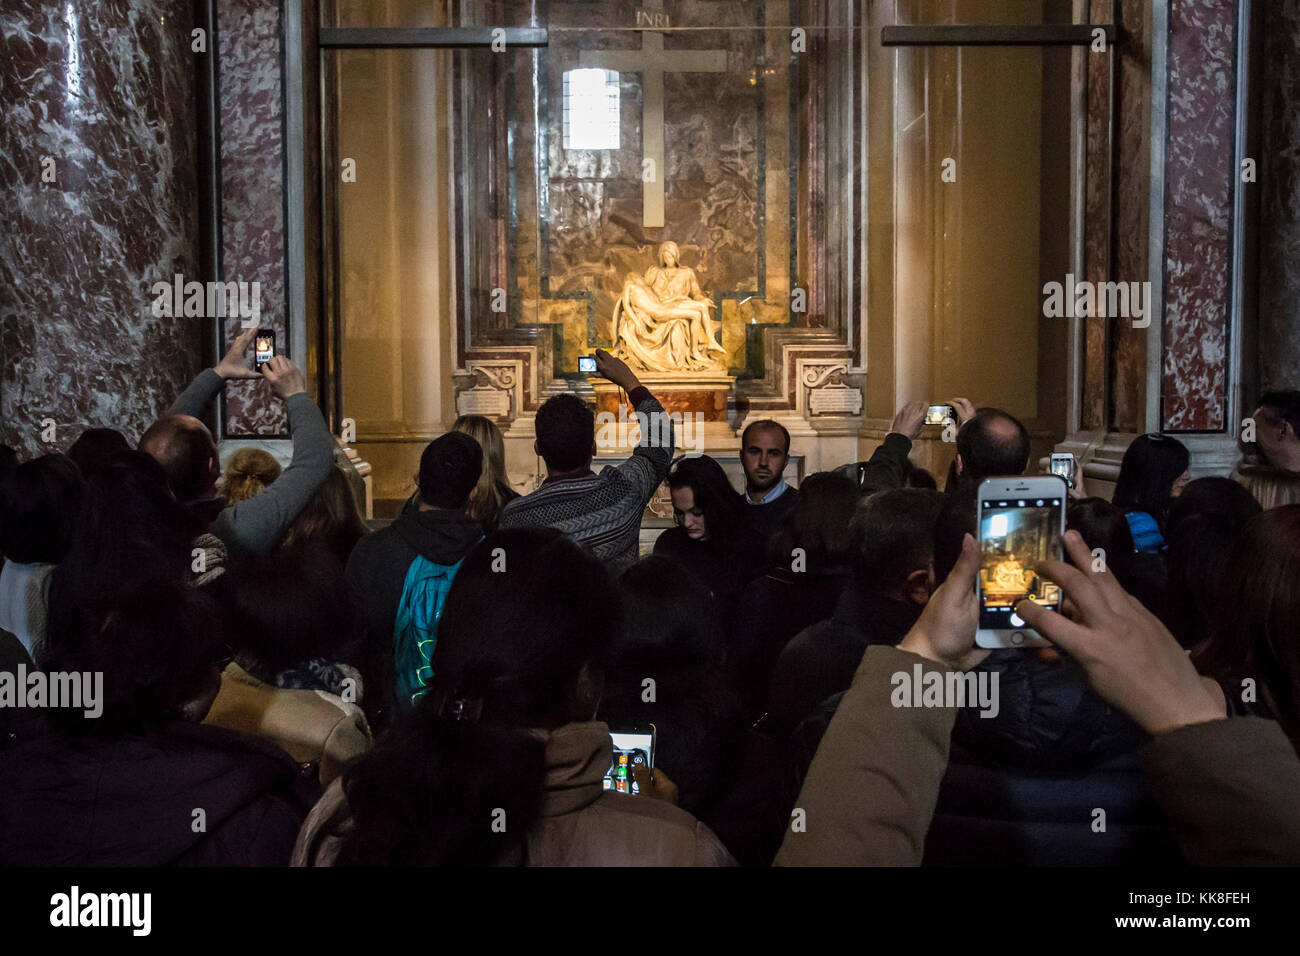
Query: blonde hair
x=489 y=495
x=248 y=473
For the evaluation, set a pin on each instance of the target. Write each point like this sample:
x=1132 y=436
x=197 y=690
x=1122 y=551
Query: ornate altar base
x=698 y=401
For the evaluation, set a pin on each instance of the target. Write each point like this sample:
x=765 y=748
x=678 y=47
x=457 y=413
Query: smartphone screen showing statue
x=263 y=348
x=1063 y=465
x=586 y=364
x=939 y=414
x=1021 y=522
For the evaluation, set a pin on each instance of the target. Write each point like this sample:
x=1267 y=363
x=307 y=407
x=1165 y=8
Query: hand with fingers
x=964 y=408
x=909 y=420
x=654 y=783
x=1127 y=655
x=234 y=364
x=945 y=631
x=616 y=370
x=286 y=379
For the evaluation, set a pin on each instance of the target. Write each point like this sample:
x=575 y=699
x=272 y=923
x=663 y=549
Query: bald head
x=184 y=447
x=992 y=443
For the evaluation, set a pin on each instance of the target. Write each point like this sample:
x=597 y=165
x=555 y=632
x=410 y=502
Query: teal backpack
x=415 y=630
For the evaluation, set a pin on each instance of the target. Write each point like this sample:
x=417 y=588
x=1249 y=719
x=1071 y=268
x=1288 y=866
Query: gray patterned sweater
x=602 y=512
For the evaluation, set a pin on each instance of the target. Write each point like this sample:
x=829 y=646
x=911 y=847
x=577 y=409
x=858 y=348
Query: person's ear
x=593 y=448
x=959 y=464
x=918 y=584
x=536 y=450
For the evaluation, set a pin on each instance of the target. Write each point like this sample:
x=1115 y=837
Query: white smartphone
x=1063 y=465
x=1021 y=523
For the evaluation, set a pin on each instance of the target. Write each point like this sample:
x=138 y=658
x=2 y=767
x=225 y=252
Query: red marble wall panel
x=1199 y=171
x=252 y=190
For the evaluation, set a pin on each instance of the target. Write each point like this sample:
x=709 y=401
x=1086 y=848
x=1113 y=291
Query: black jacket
x=376 y=572
x=821 y=660
x=1022 y=788
x=132 y=800
x=725 y=573
x=771 y=611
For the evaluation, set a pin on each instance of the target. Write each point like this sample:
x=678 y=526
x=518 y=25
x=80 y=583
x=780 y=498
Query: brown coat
x=871 y=790
x=1229 y=786
x=313 y=726
x=581 y=824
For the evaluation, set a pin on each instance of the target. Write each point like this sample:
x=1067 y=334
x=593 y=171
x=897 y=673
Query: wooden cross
x=652 y=62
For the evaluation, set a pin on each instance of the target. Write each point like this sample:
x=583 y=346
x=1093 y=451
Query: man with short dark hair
x=413 y=560
x=764 y=452
x=893 y=576
x=600 y=512
x=184 y=447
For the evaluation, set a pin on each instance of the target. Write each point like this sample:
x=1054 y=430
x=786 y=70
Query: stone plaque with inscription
x=835 y=400
x=490 y=402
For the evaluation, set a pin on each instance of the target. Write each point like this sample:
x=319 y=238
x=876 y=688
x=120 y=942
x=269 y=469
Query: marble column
x=1279 y=286
x=97 y=183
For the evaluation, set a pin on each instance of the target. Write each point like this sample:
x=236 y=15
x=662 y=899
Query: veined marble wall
x=1279 y=178
x=97 y=183
x=1200 y=171
x=252 y=191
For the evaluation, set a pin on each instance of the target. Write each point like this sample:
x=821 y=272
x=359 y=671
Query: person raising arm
x=182 y=444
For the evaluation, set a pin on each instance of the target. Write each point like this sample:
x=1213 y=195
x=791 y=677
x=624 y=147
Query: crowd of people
x=283 y=683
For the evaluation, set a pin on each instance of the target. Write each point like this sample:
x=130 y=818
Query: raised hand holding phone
x=1127 y=655
x=234 y=364
x=909 y=420
x=285 y=377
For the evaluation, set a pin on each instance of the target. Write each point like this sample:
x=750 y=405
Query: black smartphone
x=633 y=746
x=263 y=348
x=586 y=363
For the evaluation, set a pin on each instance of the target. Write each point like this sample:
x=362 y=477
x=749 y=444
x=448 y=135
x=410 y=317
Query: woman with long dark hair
x=712 y=539
x=1204 y=523
x=502 y=761
x=1152 y=474
x=1254 y=646
x=811 y=558
x=130 y=530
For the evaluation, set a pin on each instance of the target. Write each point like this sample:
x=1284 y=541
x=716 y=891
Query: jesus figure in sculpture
x=664 y=321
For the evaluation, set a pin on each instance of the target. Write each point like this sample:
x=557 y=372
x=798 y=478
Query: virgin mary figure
x=664 y=321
